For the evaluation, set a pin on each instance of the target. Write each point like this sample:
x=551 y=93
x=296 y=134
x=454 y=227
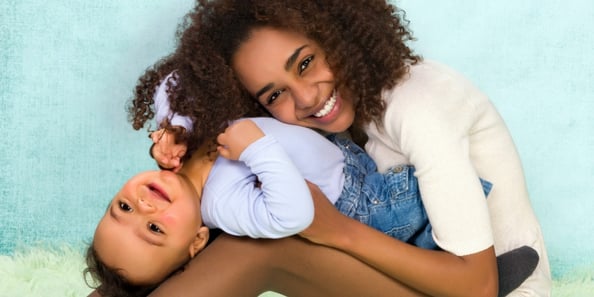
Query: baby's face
x=151 y=227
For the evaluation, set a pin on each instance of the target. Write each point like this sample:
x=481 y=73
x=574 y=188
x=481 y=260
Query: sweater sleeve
x=430 y=119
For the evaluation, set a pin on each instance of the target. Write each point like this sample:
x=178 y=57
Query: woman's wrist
x=348 y=236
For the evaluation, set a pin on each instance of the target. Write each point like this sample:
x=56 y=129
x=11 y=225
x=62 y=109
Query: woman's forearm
x=435 y=273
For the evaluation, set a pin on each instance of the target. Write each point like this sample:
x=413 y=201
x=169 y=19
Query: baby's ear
x=199 y=241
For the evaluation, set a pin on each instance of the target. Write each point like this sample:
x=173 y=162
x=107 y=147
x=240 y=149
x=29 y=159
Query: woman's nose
x=145 y=206
x=304 y=95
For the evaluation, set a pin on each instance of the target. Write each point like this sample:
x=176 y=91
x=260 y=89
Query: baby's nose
x=144 y=205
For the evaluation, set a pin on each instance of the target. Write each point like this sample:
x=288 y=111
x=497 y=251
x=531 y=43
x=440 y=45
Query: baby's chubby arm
x=271 y=201
x=166 y=152
x=237 y=137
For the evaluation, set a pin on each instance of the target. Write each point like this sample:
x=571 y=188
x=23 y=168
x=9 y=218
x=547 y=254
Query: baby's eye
x=274 y=96
x=305 y=63
x=154 y=228
x=125 y=207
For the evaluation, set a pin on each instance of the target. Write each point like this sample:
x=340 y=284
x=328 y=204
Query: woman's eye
x=274 y=96
x=125 y=207
x=154 y=228
x=305 y=63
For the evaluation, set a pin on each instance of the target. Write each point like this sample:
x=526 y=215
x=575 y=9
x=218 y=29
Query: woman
x=344 y=65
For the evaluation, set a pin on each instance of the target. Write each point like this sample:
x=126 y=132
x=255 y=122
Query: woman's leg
x=233 y=266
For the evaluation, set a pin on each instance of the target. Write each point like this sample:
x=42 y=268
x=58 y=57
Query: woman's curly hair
x=365 y=42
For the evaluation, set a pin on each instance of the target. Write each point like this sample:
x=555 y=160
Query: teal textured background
x=67 y=69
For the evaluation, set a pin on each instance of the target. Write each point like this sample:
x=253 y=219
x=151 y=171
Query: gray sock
x=515 y=267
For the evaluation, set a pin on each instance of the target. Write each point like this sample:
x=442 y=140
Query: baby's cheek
x=169 y=219
x=179 y=218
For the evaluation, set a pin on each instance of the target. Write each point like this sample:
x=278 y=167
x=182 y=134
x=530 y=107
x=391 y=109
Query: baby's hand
x=165 y=151
x=237 y=138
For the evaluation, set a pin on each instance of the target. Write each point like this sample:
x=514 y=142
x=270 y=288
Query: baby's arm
x=280 y=207
x=237 y=138
x=166 y=152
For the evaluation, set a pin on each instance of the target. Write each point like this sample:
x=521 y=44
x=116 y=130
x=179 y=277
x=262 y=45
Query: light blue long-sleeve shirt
x=282 y=161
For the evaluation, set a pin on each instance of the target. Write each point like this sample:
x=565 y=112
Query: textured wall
x=68 y=67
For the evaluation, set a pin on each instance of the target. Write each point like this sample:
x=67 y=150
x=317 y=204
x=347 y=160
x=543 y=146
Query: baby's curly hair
x=365 y=42
x=111 y=282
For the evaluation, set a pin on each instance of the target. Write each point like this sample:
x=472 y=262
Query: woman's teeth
x=328 y=107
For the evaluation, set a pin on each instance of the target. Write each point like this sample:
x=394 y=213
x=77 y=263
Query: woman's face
x=151 y=227
x=288 y=74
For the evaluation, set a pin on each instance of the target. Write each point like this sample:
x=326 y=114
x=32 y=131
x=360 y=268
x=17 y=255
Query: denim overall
x=389 y=202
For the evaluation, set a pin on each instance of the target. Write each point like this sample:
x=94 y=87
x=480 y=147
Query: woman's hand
x=329 y=224
x=165 y=151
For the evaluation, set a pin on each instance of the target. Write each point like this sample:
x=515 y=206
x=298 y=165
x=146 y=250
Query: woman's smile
x=330 y=111
x=328 y=106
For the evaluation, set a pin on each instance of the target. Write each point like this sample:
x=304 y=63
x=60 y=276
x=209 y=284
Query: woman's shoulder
x=429 y=66
x=426 y=79
x=430 y=84
x=431 y=92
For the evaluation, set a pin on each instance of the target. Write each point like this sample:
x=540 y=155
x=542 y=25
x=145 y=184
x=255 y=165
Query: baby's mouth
x=158 y=192
x=327 y=107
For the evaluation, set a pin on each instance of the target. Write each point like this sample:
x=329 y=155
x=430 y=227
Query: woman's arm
x=428 y=123
x=436 y=273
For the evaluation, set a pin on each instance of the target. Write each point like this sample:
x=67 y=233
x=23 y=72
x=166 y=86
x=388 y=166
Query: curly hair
x=365 y=42
x=112 y=283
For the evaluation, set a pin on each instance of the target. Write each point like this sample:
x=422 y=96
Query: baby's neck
x=198 y=167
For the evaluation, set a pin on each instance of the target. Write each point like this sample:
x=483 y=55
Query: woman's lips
x=330 y=111
x=328 y=106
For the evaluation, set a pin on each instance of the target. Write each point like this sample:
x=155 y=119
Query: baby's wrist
x=179 y=133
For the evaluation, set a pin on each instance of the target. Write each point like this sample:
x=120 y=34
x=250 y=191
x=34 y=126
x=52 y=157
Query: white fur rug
x=40 y=272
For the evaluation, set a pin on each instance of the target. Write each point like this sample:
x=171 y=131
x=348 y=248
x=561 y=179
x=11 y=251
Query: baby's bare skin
x=165 y=151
